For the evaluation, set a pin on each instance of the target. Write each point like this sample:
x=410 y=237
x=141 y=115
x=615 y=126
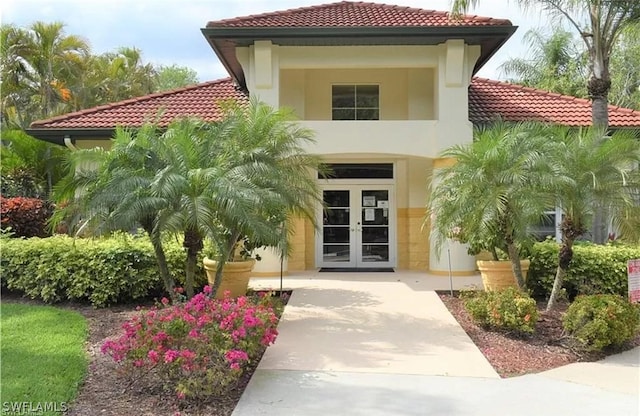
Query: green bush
x=507 y=309
x=600 y=321
x=99 y=271
x=594 y=269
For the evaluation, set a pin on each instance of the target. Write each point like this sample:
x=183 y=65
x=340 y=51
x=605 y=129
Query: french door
x=357 y=227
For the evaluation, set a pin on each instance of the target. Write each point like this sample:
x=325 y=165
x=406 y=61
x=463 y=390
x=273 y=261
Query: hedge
x=101 y=271
x=595 y=269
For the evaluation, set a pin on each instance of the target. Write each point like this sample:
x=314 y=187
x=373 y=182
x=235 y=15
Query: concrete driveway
x=384 y=344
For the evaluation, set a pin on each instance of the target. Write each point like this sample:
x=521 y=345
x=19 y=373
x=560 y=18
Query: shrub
x=600 y=321
x=507 y=309
x=27 y=217
x=594 y=269
x=99 y=271
x=20 y=182
x=197 y=349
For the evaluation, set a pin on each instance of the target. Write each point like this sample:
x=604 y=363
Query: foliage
x=198 y=349
x=625 y=73
x=100 y=271
x=38 y=64
x=556 y=64
x=594 y=269
x=600 y=321
x=493 y=192
x=226 y=181
x=593 y=174
x=29 y=167
x=46 y=72
x=43 y=355
x=174 y=76
x=25 y=217
x=599 y=24
x=508 y=309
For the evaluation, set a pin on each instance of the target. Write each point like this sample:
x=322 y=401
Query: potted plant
x=491 y=196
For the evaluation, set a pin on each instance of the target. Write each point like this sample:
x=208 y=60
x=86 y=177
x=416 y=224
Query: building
x=385 y=88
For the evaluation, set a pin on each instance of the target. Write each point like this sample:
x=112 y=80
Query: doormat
x=357 y=270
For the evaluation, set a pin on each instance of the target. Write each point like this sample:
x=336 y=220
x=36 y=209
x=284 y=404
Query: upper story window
x=355 y=102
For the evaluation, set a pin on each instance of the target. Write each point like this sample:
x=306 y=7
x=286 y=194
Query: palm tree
x=264 y=177
x=494 y=192
x=110 y=190
x=555 y=65
x=591 y=172
x=224 y=181
x=46 y=61
x=599 y=24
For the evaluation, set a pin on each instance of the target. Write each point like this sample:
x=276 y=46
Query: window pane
x=367 y=96
x=356 y=171
x=366 y=114
x=344 y=114
x=343 y=96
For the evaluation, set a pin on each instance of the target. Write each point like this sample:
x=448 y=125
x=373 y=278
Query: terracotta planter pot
x=235 y=276
x=498 y=275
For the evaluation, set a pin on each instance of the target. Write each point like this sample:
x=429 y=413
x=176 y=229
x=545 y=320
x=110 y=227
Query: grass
x=43 y=357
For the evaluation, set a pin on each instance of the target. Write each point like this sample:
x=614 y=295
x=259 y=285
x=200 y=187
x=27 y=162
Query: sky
x=168 y=31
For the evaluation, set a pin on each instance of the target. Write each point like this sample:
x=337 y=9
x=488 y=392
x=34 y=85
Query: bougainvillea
x=199 y=348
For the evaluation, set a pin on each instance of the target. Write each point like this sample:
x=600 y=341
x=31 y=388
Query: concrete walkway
x=384 y=344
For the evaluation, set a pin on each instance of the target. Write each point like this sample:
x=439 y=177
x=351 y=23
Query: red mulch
x=512 y=355
x=106 y=392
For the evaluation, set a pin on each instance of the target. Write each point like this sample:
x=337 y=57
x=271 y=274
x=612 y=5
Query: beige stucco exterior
x=422 y=110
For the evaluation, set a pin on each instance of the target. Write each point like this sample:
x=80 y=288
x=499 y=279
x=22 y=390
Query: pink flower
x=193 y=333
x=159 y=337
x=138 y=363
x=207 y=289
x=188 y=354
x=164 y=301
x=236 y=355
x=153 y=356
x=170 y=356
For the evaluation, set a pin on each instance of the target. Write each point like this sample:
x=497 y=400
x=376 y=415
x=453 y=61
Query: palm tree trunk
x=515 y=265
x=161 y=259
x=564 y=259
x=194 y=245
x=599 y=92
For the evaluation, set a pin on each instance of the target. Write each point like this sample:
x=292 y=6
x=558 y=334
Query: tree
x=222 y=181
x=494 y=192
x=591 y=172
x=599 y=24
x=625 y=69
x=41 y=63
x=174 y=76
x=556 y=64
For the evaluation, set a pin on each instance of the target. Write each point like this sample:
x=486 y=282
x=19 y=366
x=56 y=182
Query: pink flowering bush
x=198 y=349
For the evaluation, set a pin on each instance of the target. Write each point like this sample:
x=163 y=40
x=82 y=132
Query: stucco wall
x=405 y=94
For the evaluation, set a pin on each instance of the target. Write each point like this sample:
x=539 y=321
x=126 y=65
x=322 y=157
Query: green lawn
x=43 y=356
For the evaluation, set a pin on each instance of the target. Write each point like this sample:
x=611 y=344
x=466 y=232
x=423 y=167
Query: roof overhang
x=224 y=40
x=57 y=135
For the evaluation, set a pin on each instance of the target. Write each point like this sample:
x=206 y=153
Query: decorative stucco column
x=462 y=264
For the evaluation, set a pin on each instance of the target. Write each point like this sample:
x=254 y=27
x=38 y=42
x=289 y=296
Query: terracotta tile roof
x=488 y=99
x=198 y=100
x=355 y=14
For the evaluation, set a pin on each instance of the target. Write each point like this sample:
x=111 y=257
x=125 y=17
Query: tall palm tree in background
x=599 y=24
x=38 y=65
x=593 y=171
x=555 y=64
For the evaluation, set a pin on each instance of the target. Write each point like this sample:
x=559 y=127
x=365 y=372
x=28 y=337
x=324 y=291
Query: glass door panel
x=336 y=227
x=373 y=241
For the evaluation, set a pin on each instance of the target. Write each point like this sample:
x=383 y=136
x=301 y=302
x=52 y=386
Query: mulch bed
x=106 y=392
x=512 y=355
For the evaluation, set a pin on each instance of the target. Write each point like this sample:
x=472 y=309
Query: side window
x=355 y=102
